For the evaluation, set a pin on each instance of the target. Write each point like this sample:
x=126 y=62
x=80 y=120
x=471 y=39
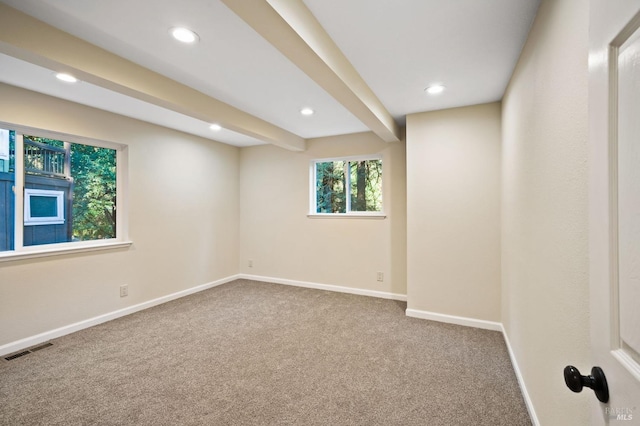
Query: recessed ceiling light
x=215 y=127
x=306 y=111
x=67 y=78
x=184 y=35
x=434 y=89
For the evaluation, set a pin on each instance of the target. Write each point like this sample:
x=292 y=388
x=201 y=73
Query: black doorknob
x=596 y=381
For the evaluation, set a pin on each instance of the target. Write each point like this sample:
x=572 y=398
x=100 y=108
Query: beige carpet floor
x=250 y=353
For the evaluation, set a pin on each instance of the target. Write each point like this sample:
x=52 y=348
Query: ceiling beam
x=34 y=41
x=291 y=28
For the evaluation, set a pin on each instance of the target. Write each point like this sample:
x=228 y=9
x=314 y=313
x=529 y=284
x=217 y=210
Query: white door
x=614 y=190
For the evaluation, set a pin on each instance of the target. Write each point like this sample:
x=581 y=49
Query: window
x=57 y=194
x=350 y=186
x=43 y=207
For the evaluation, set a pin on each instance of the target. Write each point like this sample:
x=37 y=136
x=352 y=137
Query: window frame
x=58 y=219
x=313 y=207
x=4 y=155
x=20 y=251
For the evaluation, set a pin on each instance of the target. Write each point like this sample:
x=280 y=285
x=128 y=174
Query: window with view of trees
x=53 y=191
x=352 y=185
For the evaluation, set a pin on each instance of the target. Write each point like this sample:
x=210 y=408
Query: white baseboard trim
x=28 y=342
x=523 y=388
x=328 y=287
x=451 y=319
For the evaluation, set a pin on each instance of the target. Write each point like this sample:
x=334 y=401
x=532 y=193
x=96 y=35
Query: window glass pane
x=330 y=187
x=93 y=170
x=44 y=157
x=366 y=185
x=85 y=175
x=7 y=181
x=42 y=206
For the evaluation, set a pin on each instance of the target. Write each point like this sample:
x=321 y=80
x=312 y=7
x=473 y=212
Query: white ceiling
x=33 y=77
x=398 y=47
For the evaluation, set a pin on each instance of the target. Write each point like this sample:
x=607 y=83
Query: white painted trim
x=71 y=328
x=350 y=215
x=33 y=252
x=18 y=228
x=58 y=219
x=627 y=362
x=523 y=388
x=364 y=157
x=328 y=287
x=452 y=319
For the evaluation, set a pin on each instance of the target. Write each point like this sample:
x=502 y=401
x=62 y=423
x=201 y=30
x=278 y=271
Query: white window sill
x=56 y=250
x=378 y=216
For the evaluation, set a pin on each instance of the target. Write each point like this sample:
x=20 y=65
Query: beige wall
x=183 y=220
x=545 y=307
x=453 y=212
x=283 y=242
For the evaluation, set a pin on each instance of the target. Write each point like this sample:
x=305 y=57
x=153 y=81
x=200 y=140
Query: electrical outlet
x=250 y=263
x=124 y=290
x=380 y=276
